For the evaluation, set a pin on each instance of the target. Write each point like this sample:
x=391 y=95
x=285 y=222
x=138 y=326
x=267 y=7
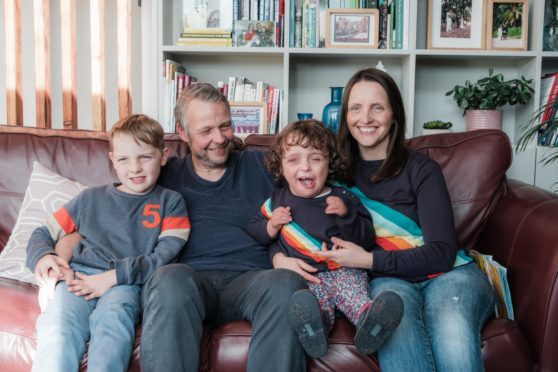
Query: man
x=222 y=274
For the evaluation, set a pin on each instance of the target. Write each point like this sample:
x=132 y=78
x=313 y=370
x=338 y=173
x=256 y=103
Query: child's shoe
x=306 y=319
x=378 y=321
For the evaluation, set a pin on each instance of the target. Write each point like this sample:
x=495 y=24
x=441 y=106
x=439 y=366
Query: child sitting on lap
x=297 y=221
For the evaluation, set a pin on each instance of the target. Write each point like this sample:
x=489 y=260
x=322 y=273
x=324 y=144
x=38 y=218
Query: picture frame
x=249 y=33
x=352 y=28
x=249 y=117
x=452 y=25
x=507 y=24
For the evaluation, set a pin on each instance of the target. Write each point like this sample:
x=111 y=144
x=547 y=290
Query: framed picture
x=456 y=24
x=249 y=117
x=254 y=33
x=352 y=28
x=507 y=24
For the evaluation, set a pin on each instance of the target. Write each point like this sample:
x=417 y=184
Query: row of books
x=242 y=93
x=259 y=97
x=549 y=108
x=257 y=23
x=308 y=20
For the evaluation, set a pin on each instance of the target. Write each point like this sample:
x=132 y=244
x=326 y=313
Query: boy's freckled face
x=137 y=164
x=305 y=169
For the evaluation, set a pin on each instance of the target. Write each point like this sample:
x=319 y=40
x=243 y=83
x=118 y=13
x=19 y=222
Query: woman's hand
x=280 y=261
x=347 y=254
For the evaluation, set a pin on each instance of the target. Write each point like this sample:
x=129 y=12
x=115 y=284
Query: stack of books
x=205 y=36
x=548 y=109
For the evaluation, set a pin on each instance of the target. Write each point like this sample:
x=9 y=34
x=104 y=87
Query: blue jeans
x=70 y=321
x=442 y=321
x=177 y=300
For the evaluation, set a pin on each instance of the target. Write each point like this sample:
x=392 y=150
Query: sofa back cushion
x=474 y=166
x=81 y=156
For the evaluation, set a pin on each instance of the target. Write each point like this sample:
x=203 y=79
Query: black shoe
x=306 y=319
x=378 y=321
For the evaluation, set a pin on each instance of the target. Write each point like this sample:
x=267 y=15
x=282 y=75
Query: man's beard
x=207 y=161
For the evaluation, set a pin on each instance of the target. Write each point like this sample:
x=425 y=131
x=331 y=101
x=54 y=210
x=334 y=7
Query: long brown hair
x=307 y=133
x=396 y=156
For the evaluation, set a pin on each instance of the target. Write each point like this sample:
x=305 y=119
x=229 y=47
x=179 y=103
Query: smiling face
x=210 y=134
x=305 y=169
x=369 y=119
x=136 y=163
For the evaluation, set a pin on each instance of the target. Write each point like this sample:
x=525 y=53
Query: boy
x=129 y=229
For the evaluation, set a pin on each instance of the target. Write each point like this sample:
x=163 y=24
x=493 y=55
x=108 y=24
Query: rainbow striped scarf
x=297 y=238
x=396 y=231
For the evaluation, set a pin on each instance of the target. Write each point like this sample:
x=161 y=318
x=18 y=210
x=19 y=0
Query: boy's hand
x=336 y=205
x=92 y=286
x=47 y=263
x=279 y=217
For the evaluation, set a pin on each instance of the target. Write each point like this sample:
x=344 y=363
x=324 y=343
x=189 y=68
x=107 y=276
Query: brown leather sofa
x=515 y=222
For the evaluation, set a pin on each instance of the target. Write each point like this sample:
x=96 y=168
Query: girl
x=303 y=214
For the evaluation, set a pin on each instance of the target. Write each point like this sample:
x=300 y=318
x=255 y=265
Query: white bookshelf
x=306 y=74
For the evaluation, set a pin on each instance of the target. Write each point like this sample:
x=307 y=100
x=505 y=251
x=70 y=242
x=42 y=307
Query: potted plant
x=436 y=126
x=480 y=101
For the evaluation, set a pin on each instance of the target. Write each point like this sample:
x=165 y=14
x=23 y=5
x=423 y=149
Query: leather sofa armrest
x=522 y=235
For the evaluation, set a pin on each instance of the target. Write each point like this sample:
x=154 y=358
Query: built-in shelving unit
x=305 y=74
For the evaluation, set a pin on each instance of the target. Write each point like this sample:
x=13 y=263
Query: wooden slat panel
x=124 y=31
x=68 y=56
x=41 y=12
x=98 y=64
x=12 y=32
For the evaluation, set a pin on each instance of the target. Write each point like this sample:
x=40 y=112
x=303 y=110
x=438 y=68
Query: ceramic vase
x=330 y=115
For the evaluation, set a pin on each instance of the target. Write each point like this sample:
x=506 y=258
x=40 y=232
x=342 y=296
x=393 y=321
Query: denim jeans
x=177 y=300
x=442 y=321
x=69 y=321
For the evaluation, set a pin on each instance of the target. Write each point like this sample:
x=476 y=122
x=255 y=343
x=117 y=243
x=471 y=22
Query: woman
x=446 y=298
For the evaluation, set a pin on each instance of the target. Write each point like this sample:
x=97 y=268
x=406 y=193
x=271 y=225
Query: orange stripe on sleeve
x=65 y=221
x=170 y=223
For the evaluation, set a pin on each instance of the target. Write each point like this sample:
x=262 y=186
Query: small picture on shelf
x=249 y=33
x=456 y=24
x=352 y=28
x=507 y=24
x=248 y=117
x=198 y=14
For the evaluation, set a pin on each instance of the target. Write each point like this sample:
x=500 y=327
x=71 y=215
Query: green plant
x=437 y=124
x=544 y=131
x=492 y=92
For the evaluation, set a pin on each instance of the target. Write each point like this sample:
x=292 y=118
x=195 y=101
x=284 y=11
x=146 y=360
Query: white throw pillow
x=46 y=193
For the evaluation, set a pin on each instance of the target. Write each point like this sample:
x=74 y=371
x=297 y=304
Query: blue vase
x=330 y=115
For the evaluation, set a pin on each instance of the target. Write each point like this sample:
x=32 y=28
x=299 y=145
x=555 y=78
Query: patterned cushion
x=47 y=192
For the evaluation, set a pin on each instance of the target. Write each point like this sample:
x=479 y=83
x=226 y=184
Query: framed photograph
x=456 y=24
x=254 y=33
x=507 y=24
x=352 y=28
x=249 y=117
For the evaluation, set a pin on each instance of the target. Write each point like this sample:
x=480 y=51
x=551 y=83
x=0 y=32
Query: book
x=209 y=36
x=207 y=14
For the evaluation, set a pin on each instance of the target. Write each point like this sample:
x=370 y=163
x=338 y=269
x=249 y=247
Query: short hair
x=397 y=154
x=202 y=91
x=307 y=133
x=142 y=128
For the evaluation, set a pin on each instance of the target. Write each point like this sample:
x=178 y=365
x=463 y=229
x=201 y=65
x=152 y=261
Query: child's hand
x=45 y=265
x=92 y=286
x=336 y=205
x=279 y=217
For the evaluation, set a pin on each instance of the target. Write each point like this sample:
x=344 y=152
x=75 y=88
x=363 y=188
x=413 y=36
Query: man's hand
x=336 y=205
x=279 y=217
x=280 y=261
x=92 y=286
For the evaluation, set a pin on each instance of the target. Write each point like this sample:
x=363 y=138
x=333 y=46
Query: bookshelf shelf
x=306 y=74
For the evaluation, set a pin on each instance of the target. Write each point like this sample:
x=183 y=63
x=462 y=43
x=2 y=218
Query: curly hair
x=308 y=133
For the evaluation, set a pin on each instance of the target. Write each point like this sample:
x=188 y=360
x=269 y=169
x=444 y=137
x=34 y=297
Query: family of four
x=357 y=224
